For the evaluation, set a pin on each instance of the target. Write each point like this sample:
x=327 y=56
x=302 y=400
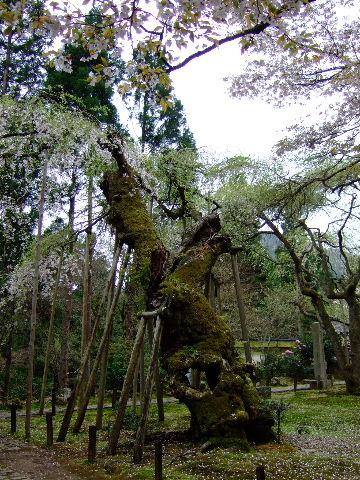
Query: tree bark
x=34 y=300
x=107 y=329
x=194 y=335
x=50 y=340
x=241 y=307
x=66 y=324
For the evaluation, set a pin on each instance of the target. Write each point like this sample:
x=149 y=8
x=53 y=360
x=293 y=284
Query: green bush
x=269 y=367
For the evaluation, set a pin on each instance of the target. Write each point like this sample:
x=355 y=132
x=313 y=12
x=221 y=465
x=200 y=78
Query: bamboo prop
x=50 y=338
x=33 y=319
x=140 y=434
x=125 y=392
x=103 y=367
x=107 y=328
x=73 y=397
x=158 y=382
x=241 y=308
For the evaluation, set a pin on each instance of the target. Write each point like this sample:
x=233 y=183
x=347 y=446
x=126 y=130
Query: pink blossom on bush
x=287 y=353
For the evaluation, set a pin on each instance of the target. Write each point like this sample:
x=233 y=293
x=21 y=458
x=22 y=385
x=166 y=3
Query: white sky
x=222 y=125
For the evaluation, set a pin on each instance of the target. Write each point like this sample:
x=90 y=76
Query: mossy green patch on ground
x=322 y=413
x=326 y=449
x=257 y=344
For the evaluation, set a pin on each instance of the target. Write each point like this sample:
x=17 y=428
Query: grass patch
x=326 y=449
x=258 y=345
x=321 y=413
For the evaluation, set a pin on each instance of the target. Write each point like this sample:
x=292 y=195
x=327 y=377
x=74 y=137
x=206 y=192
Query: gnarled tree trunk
x=194 y=336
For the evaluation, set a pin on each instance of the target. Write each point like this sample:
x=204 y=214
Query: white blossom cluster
x=315 y=62
x=32 y=133
x=31 y=130
x=176 y=30
x=21 y=280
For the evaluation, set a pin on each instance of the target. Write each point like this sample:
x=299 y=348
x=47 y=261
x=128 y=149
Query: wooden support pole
x=158 y=461
x=104 y=364
x=68 y=413
x=92 y=443
x=53 y=401
x=125 y=392
x=241 y=308
x=141 y=374
x=106 y=333
x=135 y=386
x=158 y=382
x=49 y=429
x=140 y=434
x=72 y=400
x=102 y=387
x=13 y=409
x=260 y=472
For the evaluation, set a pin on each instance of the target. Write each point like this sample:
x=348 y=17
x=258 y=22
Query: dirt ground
x=19 y=461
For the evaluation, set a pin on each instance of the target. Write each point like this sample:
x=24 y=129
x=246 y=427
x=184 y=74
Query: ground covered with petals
x=320 y=441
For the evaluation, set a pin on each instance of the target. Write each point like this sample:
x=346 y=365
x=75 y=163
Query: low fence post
x=260 y=472
x=49 y=429
x=13 y=409
x=158 y=461
x=92 y=443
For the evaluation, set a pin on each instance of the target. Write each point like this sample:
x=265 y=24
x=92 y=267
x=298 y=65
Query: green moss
x=250 y=395
x=241 y=416
x=129 y=214
x=194 y=335
x=240 y=443
x=210 y=411
x=204 y=341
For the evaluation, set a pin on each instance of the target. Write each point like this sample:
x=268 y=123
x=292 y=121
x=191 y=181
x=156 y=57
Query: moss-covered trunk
x=194 y=336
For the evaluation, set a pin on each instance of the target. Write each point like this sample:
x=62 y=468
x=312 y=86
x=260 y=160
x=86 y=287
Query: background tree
x=22 y=47
x=160 y=114
x=325 y=262
x=76 y=87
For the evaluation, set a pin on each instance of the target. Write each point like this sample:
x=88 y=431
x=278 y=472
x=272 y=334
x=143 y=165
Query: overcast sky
x=223 y=125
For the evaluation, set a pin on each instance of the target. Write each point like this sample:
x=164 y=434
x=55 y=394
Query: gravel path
x=19 y=461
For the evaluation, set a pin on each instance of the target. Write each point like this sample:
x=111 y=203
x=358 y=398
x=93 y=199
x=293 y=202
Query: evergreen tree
x=18 y=212
x=94 y=98
x=21 y=47
x=79 y=92
x=161 y=128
